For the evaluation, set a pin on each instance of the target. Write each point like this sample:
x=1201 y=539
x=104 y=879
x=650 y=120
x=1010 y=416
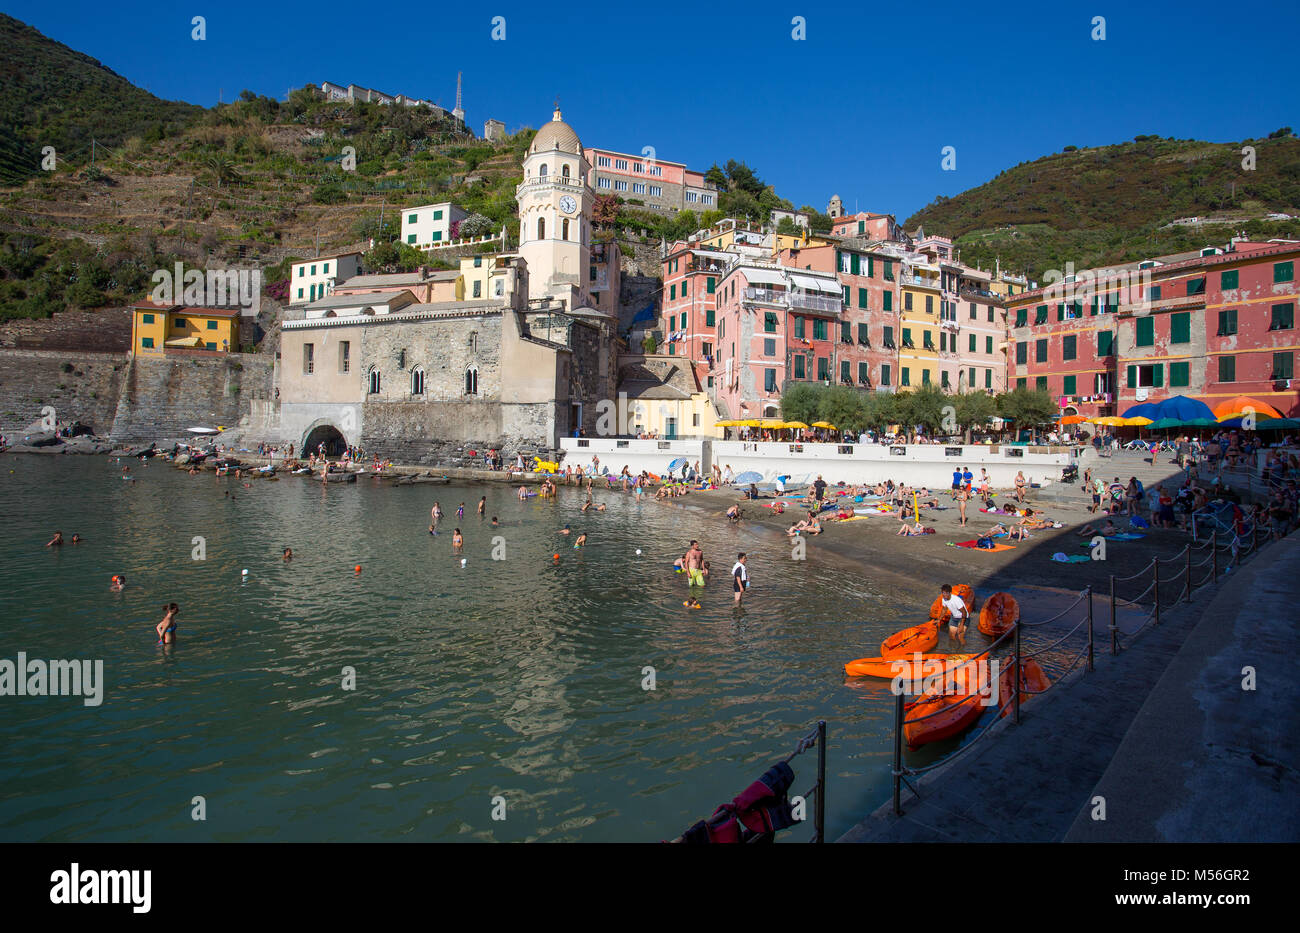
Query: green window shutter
x=798 y=327
x=889 y=336
x=884 y=374
x=907 y=376
x=1132 y=377
x=411 y=218
x=988 y=345
x=819 y=329
x=685 y=287
x=1146 y=332
x=1093 y=312
x=1283 y=272
x=798 y=366
x=862 y=297
x=710 y=284
x=1180 y=327
x=988 y=378
x=1041 y=383
x=846 y=296
x=889 y=301
x=1228 y=279
x=709 y=317
x=1068 y=385
x=1158 y=375
x=1022 y=352
x=1227 y=369
x=925 y=377
x=437 y=235
x=862 y=333
x=855 y=264
x=1179 y=374
x=1040 y=351
x=864 y=373
x=907 y=335
x=1040 y=314
x=1153 y=293
x=839 y=261
x=683 y=320
x=1022 y=383
x=972 y=343
x=1069 y=348
x=437 y=215
x=871 y=267
x=845 y=371
x=1283 y=317
x=1196 y=286
x=1105 y=342
x=1060 y=311
x=1022 y=317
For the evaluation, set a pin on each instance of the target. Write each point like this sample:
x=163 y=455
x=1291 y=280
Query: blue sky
x=863 y=106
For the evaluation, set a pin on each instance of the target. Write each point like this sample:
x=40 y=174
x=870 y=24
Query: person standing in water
x=482 y=507
x=435 y=514
x=957 y=612
x=694 y=565
x=457 y=541
x=740 y=577
x=166 y=629
x=460 y=511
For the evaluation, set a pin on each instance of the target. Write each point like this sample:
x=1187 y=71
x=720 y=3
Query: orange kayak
x=920 y=638
x=999 y=615
x=909 y=668
x=944 y=717
x=1033 y=680
x=940 y=614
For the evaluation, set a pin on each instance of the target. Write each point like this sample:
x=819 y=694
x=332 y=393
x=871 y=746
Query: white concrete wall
x=915 y=464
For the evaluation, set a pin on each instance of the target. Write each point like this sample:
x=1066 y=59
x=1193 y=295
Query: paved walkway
x=1033 y=782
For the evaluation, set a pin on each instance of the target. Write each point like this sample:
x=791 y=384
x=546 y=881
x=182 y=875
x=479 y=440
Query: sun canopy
x=811 y=284
x=1243 y=404
x=824 y=424
x=763 y=276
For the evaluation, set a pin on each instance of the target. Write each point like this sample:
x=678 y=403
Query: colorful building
x=430 y=224
x=1212 y=324
x=315 y=278
x=691 y=277
x=156 y=329
x=918 y=353
x=649 y=181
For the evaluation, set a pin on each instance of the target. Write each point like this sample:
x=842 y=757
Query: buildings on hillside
x=650 y=182
x=1214 y=323
x=315 y=278
x=429 y=225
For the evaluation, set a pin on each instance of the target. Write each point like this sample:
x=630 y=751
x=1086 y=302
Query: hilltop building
x=315 y=278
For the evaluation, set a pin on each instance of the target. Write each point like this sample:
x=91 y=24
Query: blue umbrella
x=676 y=464
x=1183 y=408
x=749 y=476
x=1145 y=410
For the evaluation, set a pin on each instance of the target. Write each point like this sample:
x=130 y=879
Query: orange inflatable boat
x=999 y=615
x=1033 y=680
x=908 y=641
x=940 y=614
x=909 y=668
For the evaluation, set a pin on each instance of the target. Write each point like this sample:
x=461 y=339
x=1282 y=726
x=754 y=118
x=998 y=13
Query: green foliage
x=922 y=406
x=1111 y=204
x=394 y=257
x=802 y=402
x=787 y=227
x=974 y=409
x=648 y=345
x=1027 y=407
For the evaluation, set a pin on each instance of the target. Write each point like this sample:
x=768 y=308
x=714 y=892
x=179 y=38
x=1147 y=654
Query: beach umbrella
x=1238 y=405
x=771 y=424
x=726 y=424
x=1277 y=424
x=1134 y=422
x=823 y=424
x=1110 y=421
x=1162 y=424
x=796 y=424
x=1072 y=419
x=1181 y=407
x=677 y=464
x=1145 y=410
x=749 y=476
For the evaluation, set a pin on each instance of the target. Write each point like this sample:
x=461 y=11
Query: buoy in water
x=357 y=569
x=555 y=556
x=638 y=552
x=462 y=562
x=243 y=573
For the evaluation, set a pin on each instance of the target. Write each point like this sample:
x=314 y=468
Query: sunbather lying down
x=1106 y=530
x=916 y=529
x=1015 y=532
x=810 y=526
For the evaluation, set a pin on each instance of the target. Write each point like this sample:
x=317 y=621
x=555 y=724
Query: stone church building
x=516 y=370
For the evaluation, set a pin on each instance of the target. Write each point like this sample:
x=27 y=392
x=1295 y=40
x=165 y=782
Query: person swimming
x=495 y=523
x=288 y=554
x=564 y=530
x=76 y=538
x=56 y=541
x=482 y=506
x=582 y=540
x=167 y=627
x=117 y=583
x=460 y=511
x=456 y=540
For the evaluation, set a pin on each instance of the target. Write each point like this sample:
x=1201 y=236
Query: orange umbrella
x=1072 y=419
x=1238 y=406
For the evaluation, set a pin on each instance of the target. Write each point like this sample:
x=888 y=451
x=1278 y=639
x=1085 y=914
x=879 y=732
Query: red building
x=691 y=277
x=1211 y=324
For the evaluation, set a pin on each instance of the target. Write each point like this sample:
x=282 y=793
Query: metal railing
x=1179 y=572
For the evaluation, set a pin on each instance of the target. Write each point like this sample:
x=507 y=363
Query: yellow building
x=473 y=281
x=918 y=349
x=158 y=328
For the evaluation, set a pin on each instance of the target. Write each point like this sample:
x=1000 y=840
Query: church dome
x=556 y=135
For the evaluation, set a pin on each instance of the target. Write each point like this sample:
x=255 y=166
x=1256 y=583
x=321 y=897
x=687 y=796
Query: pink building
x=691 y=277
x=880 y=227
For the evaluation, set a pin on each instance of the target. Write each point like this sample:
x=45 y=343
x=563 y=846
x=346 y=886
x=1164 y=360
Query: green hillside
x=1114 y=203
x=57 y=97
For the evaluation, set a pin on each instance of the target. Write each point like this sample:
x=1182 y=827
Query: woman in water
x=56 y=541
x=523 y=493
x=456 y=540
x=167 y=627
x=435 y=513
x=288 y=554
x=482 y=507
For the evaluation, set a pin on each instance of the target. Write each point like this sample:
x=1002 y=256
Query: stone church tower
x=555 y=203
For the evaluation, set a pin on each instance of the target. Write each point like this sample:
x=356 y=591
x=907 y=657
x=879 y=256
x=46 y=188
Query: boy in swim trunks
x=956 y=609
x=739 y=577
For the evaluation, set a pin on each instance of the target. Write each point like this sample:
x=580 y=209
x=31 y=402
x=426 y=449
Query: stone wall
x=79 y=386
x=107 y=330
x=161 y=398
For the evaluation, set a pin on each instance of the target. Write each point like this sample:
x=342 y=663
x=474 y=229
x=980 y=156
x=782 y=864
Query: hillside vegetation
x=1115 y=203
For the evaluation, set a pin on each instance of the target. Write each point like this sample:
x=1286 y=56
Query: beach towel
x=1123 y=536
x=988 y=550
x=1137 y=521
x=1061 y=558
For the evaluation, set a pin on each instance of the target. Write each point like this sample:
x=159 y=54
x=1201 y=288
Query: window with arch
x=541 y=172
x=417 y=381
x=541 y=228
x=375 y=383
x=564 y=229
x=473 y=341
x=564 y=170
x=471 y=381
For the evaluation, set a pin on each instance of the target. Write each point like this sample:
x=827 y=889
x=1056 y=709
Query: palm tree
x=222 y=168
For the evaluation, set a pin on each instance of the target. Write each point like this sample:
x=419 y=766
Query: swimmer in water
x=56 y=541
x=482 y=506
x=523 y=493
x=117 y=583
x=564 y=530
x=495 y=523
x=288 y=554
x=460 y=510
x=456 y=540
x=167 y=627
x=692 y=603
x=582 y=539
x=76 y=538
x=435 y=513
x=601 y=507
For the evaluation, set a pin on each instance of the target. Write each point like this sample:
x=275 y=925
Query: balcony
x=918 y=281
x=804 y=301
x=978 y=293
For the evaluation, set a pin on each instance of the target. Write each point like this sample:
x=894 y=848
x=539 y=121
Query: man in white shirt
x=739 y=577
x=958 y=614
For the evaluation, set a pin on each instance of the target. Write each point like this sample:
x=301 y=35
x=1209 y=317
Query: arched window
x=417 y=381
x=564 y=234
x=541 y=172
x=374 y=381
x=541 y=228
x=471 y=381
x=473 y=341
x=564 y=170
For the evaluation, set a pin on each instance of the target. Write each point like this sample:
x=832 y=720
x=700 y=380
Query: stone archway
x=326 y=433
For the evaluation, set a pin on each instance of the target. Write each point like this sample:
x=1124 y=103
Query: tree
x=801 y=402
x=605 y=210
x=476 y=225
x=221 y=167
x=740 y=204
x=1027 y=408
x=393 y=257
x=648 y=345
x=974 y=409
x=716 y=177
x=922 y=406
x=843 y=407
x=787 y=227
x=881 y=409
x=1279 y=134
x=742 y=177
